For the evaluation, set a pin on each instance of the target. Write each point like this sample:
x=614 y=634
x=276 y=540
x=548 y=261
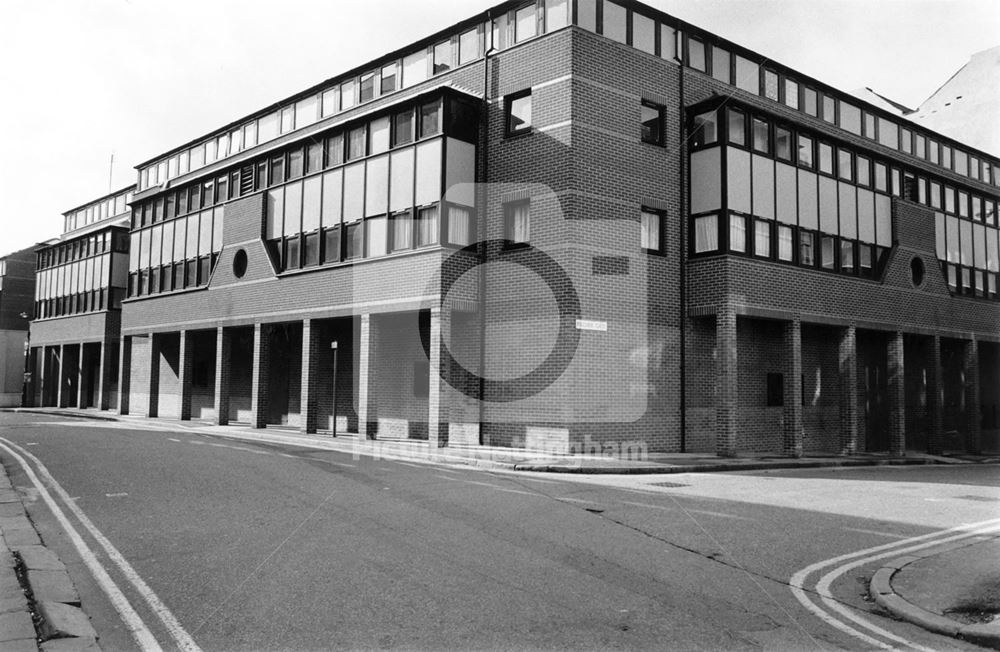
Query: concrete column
x=258 y=390
x=897 y=396
x=437 y=408
x=152 y=407
x=310 y=382
x=727 y=381
x=970 y=370
x=40 y=380
x=124 y=374
x=185 y=366
x=848 y=359
x=223 y=355
x=367 y=423
x=62 y=391
x=792 y=439
x=935 y=399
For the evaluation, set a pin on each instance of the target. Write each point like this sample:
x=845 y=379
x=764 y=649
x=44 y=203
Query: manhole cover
x=673 y=485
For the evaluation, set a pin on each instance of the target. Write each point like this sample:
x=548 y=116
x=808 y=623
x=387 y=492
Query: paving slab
x=62 y=620
x=54 y=586
x=21 y=645
x=18 y=538
x=71 y=645
x=39 y=558
x=15 y=626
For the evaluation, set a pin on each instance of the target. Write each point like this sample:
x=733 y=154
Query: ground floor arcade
x=763 y=383
x=78 y=375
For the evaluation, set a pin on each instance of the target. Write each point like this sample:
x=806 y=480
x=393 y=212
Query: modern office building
x=80 y=285
x=17 y=285
x=582 y=225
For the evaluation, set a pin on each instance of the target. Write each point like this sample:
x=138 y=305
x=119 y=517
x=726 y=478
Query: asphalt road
x=270 y=547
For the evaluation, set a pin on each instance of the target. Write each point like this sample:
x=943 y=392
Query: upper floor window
x=518 y=113
x=652 y=123
x=517 y=222
x=705 y=128
x=651 y=231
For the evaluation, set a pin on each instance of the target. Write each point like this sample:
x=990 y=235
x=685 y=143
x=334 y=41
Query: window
x=809 y=100
x=706 y=233
x=442 y=57
x=720 y=64
x=760 y=136
x=705 y=128
x=518 y=113
x=771 y=85
x=830 y=109
x=517 y=222
x=844 y=167
x=643 y=33
x=356 y=145
x=783 y=144
x=427 y=226
x=825 y=158
x=737 y=233
x=388 y=84
x=430 y=119
x=807 y=248
x=696 y=54
x=525 y=23
x=652 y=123
x=785 y=249
x=737 y=127
x=805 y=151
x=792 y=93
x=762 y=238
x=403 y=127
x=747 y=75
x=468 y=47
x=651 y=231
x=614 y=21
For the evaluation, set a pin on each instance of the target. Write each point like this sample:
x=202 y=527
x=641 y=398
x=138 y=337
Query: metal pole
x=333 y=408
x=27 y=362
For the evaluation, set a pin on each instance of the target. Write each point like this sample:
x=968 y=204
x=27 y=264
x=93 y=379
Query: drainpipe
x=682 y=251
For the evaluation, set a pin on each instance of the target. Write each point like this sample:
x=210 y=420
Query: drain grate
x=672 y=485
x=982 y=499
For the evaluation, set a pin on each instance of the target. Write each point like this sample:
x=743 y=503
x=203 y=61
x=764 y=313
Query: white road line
x=890 y=535
x=174 y=440
x=518 y=491
x=860 y=557
x=448 y=477
x=350 y=466
x=140 y=633
x=718 y=514
x=177 y=632
x=664 y=508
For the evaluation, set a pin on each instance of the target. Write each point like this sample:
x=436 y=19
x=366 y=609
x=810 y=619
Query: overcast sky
x=83 y=80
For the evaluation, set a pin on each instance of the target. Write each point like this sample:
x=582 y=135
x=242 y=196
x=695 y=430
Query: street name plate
x=591 y=325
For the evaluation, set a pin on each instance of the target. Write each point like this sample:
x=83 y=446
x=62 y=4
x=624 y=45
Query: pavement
x=39 y=604
x=952 y=590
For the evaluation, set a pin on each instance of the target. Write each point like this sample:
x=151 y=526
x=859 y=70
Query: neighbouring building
x=17 y=285
x=80 y=285
x=578 y=225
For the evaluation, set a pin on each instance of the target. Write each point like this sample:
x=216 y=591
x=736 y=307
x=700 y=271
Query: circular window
x=917 y=272
x=240 y=263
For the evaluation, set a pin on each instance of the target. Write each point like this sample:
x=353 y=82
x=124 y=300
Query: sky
x=85 y=81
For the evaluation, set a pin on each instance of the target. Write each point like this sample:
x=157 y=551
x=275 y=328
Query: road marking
x=448 y=477
x=664 y=508
x=350 y=466
x=719 y=514
x=32 y=443
x=117 y=495
x=140 y=633
x=517 y=491
x=876 y=533
x=415 y=466
x=865 y=556
x=174 y=440
x=170 y=622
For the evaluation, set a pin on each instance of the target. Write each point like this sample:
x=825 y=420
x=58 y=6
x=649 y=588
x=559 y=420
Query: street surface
x=220 y=543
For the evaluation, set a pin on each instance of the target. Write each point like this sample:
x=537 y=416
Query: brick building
x=17 y=284
x=579 y=225
x=80 y=285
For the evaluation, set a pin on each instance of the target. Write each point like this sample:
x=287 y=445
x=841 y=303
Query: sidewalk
x=518 y=459
x=39 y=605
x=952 y=589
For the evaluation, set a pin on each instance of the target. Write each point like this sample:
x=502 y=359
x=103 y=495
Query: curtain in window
x=427 y=232
x=650 y=232
x=459 y=225
x=762 y=240
x=737 y=233
x=402 y=232
x=520 y=222
x=784 y=243
x=706 y=234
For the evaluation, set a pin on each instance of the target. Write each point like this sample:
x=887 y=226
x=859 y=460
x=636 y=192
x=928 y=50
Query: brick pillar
x=793 y=389
x=124 y=374
x=258 y=390
x=80 y=375
x=437 y=408
x=935 y=399
x=104 y=375
x=970 y=370
x=310 y=382
x=726 y=381
x=367 y=424
x=223 y=355
x=897 y=396
x=185 y=366
x=154 y=377
x=61 y=390
x=40 y=381
x=848 y=359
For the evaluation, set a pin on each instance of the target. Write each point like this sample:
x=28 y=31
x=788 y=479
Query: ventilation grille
x=246 y=180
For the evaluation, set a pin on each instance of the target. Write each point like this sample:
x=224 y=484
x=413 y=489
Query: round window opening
x=240 y=263
x=917 y=272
